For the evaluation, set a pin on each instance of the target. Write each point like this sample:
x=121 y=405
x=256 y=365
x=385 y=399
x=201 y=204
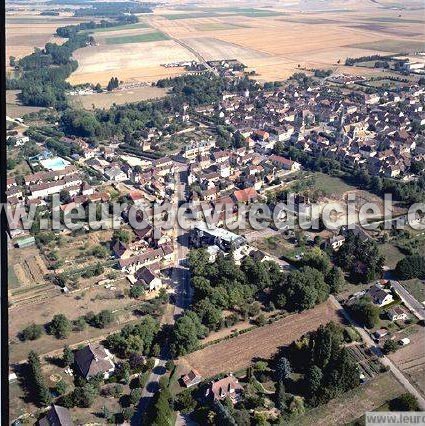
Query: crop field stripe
x=119 y=28
x=140 y=38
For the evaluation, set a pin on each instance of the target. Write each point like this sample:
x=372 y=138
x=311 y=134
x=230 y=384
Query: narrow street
x=180 y=282
x=384 y=360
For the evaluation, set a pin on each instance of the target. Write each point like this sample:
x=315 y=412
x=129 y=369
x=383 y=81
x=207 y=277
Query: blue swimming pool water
x=55 y=163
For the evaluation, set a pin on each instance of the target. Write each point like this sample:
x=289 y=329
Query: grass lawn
x=278 y=246
x=331 y=184
x=416 y=288
x=119 y=28
x=391 y=253
x=139 y=38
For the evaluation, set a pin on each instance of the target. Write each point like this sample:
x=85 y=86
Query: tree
x=136 y=291
x=317 y=259
x=32 y=332
x=301 y=289
x=79 y=324
x=209 y=314
x=376 y=185
x=42 y=392
x=135 y=396
x=85 y=396
x=12 y=61
x=68 y=356
x=411 y=267
x=296 y=406
x=186 y=333
x=283 y=369
x=313 y=380
x=127 y=413
x=103 y=318
x=390 y=346
x=60 y=326
x=122 y=372
x=405 y=402
x=335 y=279
x=61 y=387
x=365 y=312
x=121 y=235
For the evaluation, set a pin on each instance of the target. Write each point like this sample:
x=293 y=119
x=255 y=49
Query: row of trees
x=69 y=31
x=61 y=327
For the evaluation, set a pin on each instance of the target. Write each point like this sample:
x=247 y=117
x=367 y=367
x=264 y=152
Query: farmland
x=118 y=97
x=292 y=39
x=139 y=38
x=263 y=342
x=26 y=31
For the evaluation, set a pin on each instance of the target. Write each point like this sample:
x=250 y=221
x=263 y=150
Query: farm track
x=185 y=46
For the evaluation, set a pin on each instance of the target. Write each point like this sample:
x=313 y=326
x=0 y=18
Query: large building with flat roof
x=202 y=235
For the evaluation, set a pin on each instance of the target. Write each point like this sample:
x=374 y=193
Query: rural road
x=194 y=52
x=180 y=280
x=385 y=361
x=411 y=302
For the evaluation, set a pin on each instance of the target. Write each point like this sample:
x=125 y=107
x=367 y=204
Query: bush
x=390 y=346
x=405 y=402
x=32 y=332
x=365 y=312
x=60 y=326
x=136 y=291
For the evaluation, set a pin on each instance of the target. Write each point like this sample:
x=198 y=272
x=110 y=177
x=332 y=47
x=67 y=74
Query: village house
x=191 y=379
x=147 y=277
x=56 y=416
x=379 y=296
x=92 y=360
x=228 y=387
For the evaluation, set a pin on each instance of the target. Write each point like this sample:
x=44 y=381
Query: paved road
x=180 y=281
x=385 y=361
x=411 y=302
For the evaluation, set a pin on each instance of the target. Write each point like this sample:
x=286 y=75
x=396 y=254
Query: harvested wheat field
x=263 y=342
x=24 y=32
x=118 y=97
x=275 y=42
x=129 y=62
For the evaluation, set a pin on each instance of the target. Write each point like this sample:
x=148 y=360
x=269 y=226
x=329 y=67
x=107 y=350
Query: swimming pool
x=55 y=163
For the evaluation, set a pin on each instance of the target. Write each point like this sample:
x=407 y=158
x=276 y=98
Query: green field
x=391 y=253
x=119 y=28
x=173 y=17
x=139 y=38
x=395 y=19
x=331 y=184
x=416 y=288
x=225 y=11
x=389 y=45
